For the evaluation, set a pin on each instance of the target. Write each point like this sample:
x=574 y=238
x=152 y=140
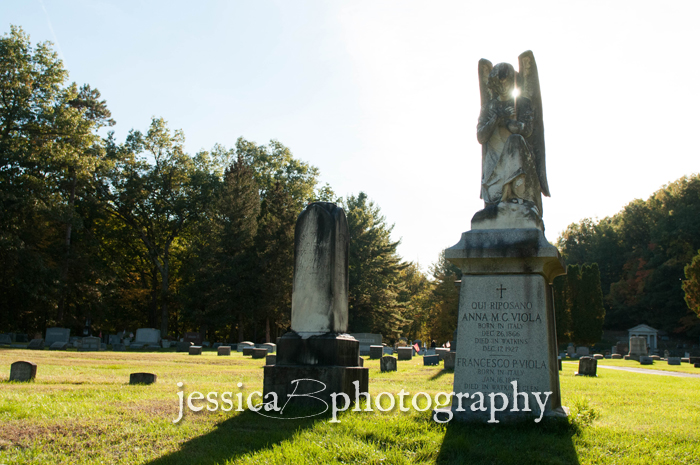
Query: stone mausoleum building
x=647 y=332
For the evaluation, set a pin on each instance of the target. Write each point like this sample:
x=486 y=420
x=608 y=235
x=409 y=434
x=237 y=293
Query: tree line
x=140 y=233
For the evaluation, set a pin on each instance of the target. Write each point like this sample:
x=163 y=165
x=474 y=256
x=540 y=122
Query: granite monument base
x=506 y=330
x=326 y=380
x=329 y=349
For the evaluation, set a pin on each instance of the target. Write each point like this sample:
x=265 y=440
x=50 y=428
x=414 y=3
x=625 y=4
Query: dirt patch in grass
x=20 y=434
x=156 y=408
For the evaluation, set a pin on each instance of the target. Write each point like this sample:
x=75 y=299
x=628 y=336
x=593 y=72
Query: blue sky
x=382 y=96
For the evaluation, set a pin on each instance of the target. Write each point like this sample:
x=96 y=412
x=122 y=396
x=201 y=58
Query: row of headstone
x=22 y=371
x=366 y=340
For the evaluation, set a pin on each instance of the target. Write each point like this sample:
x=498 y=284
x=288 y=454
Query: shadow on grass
x=243 y=434
x=551 y=442
x=440 y=374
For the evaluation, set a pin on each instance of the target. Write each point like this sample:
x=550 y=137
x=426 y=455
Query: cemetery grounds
x=81 y=410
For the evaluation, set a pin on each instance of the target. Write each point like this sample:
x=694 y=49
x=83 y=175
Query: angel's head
x=502 y=81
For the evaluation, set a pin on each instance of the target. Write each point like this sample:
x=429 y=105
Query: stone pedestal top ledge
x=506 y=251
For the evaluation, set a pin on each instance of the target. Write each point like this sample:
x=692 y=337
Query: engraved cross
x=502 y=289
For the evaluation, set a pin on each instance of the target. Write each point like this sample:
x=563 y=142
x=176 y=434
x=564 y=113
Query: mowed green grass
x=81 y=410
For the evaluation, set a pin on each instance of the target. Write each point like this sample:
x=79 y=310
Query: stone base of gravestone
x=587 y=366
x=36 y=344
x=430 y=360
x=450 y=361
x=271 y=359
x=376 y=352
x=655 y=357
x=319 y=382
x=23 y=371
x=644 y=360
x=259 y=353
x=598 y=356
x=195 y=350
x=387 y=363
x=674 y=360
x=442 y=352
x=632 y=357
x=616 y=356
x=142 y=378
x=506 y=287
x=248 y=350
x=183 y=346
x=325 y=350
x=59 y=346
x=405 y=353
x=223 y=350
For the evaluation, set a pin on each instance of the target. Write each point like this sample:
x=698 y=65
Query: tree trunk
x=267 y=329
x=240 y=329
x=164 y=296
x=66 y=259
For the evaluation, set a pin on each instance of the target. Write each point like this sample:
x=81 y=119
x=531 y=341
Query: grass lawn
x=81 y=410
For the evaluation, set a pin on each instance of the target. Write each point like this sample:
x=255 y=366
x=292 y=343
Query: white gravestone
x=146 y=337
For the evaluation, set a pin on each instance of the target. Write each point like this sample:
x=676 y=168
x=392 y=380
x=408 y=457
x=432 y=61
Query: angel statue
x=510 y=130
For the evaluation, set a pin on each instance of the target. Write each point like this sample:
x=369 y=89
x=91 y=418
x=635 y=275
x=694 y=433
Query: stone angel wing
x=485 y=68
x=529 y=84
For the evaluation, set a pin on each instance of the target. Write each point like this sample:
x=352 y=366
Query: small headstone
x=259 y=353
x=644 y=360
x=667 y=354
x=270 y=359
x=405 y=353
x=450 y=360
x=431 y=360
x=366 y=340
x=166 y=343
x=441 y=352
x=655 y=357
x=114 y=339
x=194 y=338
x=387 y=363
x=23 y=371
x=90 y=344
x=582 y=351
x=609 y=355
x=571 y=350
x=673 y=360
x=430 y=351
x=183 y=346
x=248 y=350
x=146 y=337
x=638 y=347
x=375 y=352
x=693 y=360
x=598 y=356
x=223 y=350
x=5 y=339
x=587 y=366
x=195 y=350
x=56 y=335
x=388 y=351
x=142 y=378
x=36 y=344
x=242 y=345
x=685 y=359
x=59 y=346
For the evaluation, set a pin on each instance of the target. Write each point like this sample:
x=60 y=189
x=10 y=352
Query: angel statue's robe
x=508 y=169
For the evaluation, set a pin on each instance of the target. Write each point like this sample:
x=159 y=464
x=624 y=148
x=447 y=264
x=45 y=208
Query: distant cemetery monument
x=318 y=346
x=506 y=328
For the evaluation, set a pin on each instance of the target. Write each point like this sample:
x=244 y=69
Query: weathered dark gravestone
x=697 y=365
x=366 y=340
x=598 y=356
x=183 y=346
x=587 y=366
x=22 y=371
x=693 y=359
x=318 y=347
x=674 y=360
x=223 y=350
x=195 y=350
x=450 y=361
x=441 y=352
x=616 y=356
x=248 y=350
x=387 y=363
x=388 y=350
x=244 y=345
x=506 y=328
x=142 y=378
x=430 y=360
x=259 y=353
x=59 y=346
x=270 y=359
x=375 y=352
x=644 y=360
x=271 y=348
x=194 y=338
x=5 y=340
x=405 y=353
